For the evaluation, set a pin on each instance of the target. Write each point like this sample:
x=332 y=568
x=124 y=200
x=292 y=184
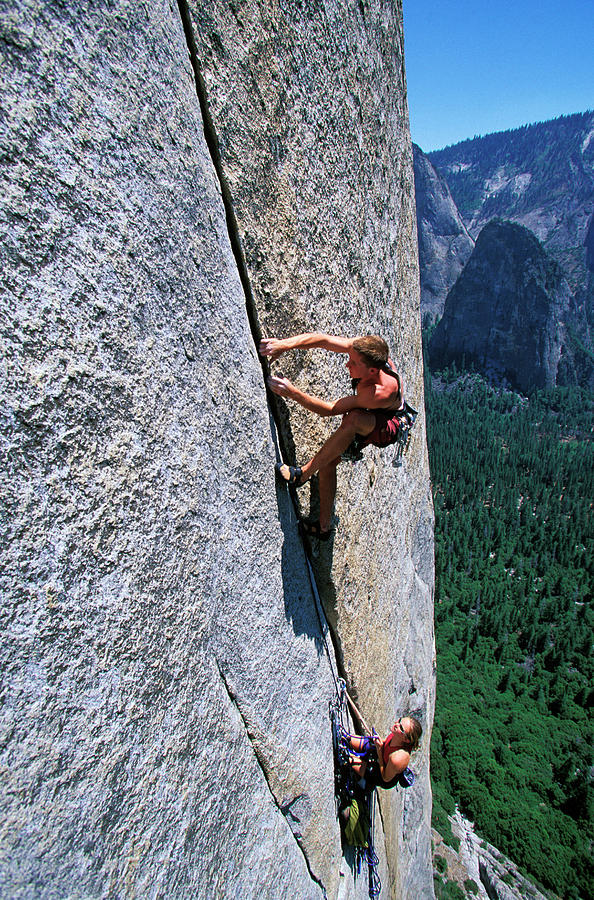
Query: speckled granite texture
x=165 y=687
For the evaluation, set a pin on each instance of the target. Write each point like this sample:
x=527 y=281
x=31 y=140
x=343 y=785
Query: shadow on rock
x=306 y=613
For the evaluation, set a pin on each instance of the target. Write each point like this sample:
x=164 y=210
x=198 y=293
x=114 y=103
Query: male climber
x=369 y=416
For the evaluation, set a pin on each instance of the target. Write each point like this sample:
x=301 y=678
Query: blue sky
x=476 y=67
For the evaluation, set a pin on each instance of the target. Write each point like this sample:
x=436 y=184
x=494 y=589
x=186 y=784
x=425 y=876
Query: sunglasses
x=400 y=728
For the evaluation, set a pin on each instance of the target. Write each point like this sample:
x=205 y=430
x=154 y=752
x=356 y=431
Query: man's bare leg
x=359 y=421
x=327 y=491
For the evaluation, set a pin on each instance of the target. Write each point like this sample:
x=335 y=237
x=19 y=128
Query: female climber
x=381 y=762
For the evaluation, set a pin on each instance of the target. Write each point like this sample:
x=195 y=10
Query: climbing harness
x=406 y=419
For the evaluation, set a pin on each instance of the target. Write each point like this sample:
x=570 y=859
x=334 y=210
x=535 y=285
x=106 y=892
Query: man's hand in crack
x=281 y=386
x=272 y=347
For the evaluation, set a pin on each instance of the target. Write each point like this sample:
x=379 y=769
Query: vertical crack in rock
x=213 y=147
x=285 y=806
x=235 y=241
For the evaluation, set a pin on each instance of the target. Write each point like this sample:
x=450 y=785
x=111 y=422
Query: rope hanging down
x=322 y=620
x=359 y=801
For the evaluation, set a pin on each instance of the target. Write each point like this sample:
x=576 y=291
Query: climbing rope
x=344 y=783
x=344 y=787
x=323 y=622
x=351 y=794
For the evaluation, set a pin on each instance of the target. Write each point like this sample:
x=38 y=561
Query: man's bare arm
x=285 y=388
x=275 y=346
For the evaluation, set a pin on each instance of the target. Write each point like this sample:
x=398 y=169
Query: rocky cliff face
x=175 y=182
x=444 y=242
x=506 y=313
x=589 y=245
x=479 y=869
x=540 y=176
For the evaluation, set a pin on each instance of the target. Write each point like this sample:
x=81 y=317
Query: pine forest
x=513 y=741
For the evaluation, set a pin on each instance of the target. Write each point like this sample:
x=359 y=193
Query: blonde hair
x=373 y=349
x=415 y=733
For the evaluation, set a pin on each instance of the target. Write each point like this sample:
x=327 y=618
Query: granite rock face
x=174 y=183
x=541 y=177
x=324 y=205
x=506 y=313
x=444 y=243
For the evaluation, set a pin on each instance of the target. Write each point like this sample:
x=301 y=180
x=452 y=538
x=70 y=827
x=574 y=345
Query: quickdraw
x=406 y=423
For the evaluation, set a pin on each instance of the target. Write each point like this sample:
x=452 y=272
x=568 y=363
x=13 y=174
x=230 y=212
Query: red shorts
x=387 y=425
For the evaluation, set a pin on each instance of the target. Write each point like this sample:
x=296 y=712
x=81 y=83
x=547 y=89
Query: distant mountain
x=510 y=314
x=444 y=243
x=540 y=176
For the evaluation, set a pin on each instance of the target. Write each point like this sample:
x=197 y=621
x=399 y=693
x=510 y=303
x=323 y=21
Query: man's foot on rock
x=289 y=474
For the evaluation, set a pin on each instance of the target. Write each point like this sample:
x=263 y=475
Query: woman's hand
x=272 y=347
x=281 y=386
